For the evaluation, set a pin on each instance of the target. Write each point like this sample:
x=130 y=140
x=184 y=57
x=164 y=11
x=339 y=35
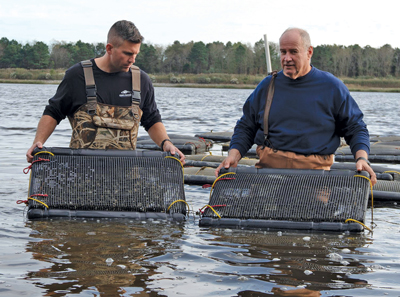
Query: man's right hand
x=231 y=161
x=29 y=156
x=46 y=126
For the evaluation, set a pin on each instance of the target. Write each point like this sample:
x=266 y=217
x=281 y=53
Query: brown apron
x=102 y=126
x=273 y=158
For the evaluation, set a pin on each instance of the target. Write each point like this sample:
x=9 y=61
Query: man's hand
x=231 y=161
x=362 y=165
x=45 y=127
x=169 y=147
x=29 y=156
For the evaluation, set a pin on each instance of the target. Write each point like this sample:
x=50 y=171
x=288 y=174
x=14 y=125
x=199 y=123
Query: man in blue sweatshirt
x=310 y=111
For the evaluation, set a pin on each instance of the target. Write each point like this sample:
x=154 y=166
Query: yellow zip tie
x=190 y=210
x=212 y=187
x=204 y=157
x=178 y=201
x=372 y=196
x=201 y=168
x=175 y=158
x=352 y=220
x=220 y=177
x=392 y=171
x=183 y=202
x=183 y=173
x=211 y=209
x=44 y=152
x=38 y=201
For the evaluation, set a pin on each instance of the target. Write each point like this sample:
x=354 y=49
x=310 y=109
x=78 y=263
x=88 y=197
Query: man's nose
x=287 y=57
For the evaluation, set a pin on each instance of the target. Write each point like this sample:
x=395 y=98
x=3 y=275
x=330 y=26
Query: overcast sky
x=342 y=22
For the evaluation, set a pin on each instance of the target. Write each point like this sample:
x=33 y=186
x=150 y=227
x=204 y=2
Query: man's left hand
x=362 y=165
x=169 y=147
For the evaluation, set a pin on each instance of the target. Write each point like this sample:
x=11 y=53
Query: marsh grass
x=208 y=80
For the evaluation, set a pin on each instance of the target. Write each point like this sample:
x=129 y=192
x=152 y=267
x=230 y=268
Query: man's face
x=123 y=56
x=295 y=59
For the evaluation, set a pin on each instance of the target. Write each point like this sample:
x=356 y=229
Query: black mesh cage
x=106 y=183
x=288 y=198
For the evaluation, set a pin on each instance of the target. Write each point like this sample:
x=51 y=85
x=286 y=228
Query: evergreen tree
x=36 y=56
x=198 y=57
x=12 y=56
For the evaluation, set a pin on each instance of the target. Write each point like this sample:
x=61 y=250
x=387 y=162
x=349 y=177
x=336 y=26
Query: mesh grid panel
x=117 y=181
x=389 y=186
x=290 y=195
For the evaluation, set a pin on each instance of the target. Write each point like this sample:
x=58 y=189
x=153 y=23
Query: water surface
x=109 y=257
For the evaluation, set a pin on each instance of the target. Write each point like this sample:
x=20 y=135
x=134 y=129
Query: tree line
x=198 y=57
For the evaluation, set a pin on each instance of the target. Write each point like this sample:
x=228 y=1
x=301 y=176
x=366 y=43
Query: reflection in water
x=304 y=264
x=106 y=256
x=114 y=257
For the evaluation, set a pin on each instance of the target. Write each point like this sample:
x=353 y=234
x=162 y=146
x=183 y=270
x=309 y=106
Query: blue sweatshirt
x=308 y=116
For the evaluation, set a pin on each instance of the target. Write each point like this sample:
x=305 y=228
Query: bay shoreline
x=351 y=87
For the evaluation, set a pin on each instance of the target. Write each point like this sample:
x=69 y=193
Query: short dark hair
x=123 y=30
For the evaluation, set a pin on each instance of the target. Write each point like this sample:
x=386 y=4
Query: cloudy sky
x=343 y=22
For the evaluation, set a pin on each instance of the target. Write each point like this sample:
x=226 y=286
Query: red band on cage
x=39 y=195
x=22 y=201
x=226 y=178
x=26 y=170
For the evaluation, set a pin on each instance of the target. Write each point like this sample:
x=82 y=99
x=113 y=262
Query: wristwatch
x=362 y=158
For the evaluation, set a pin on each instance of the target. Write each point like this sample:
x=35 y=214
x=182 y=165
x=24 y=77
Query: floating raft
x=384 y=149
x=106 y=183
x=385 y=139
x=288 y=199
x=200 y=169
x=188 y=145
x=216 y=136
x=379 y=153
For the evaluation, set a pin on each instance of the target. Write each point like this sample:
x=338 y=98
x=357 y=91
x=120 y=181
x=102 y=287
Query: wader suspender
x=91 y=90
x=270 y=95
x=135 y=85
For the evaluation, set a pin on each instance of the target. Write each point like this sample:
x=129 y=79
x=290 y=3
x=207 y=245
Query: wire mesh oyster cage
x=137 y=184
x=288 y=199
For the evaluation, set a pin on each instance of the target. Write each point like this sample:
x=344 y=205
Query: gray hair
x=305 y=37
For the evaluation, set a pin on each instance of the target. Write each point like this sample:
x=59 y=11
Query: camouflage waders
x=101 y=126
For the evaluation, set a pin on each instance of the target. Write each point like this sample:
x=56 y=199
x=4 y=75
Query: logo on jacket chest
x=125 y=94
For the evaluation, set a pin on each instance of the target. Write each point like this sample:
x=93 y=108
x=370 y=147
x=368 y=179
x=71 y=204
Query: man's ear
x=310 y=52
x=109 y=47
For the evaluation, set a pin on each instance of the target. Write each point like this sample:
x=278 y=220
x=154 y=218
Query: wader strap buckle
x=267 y=143
x=91 y=95
x=91 y=90
x=136 y=97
